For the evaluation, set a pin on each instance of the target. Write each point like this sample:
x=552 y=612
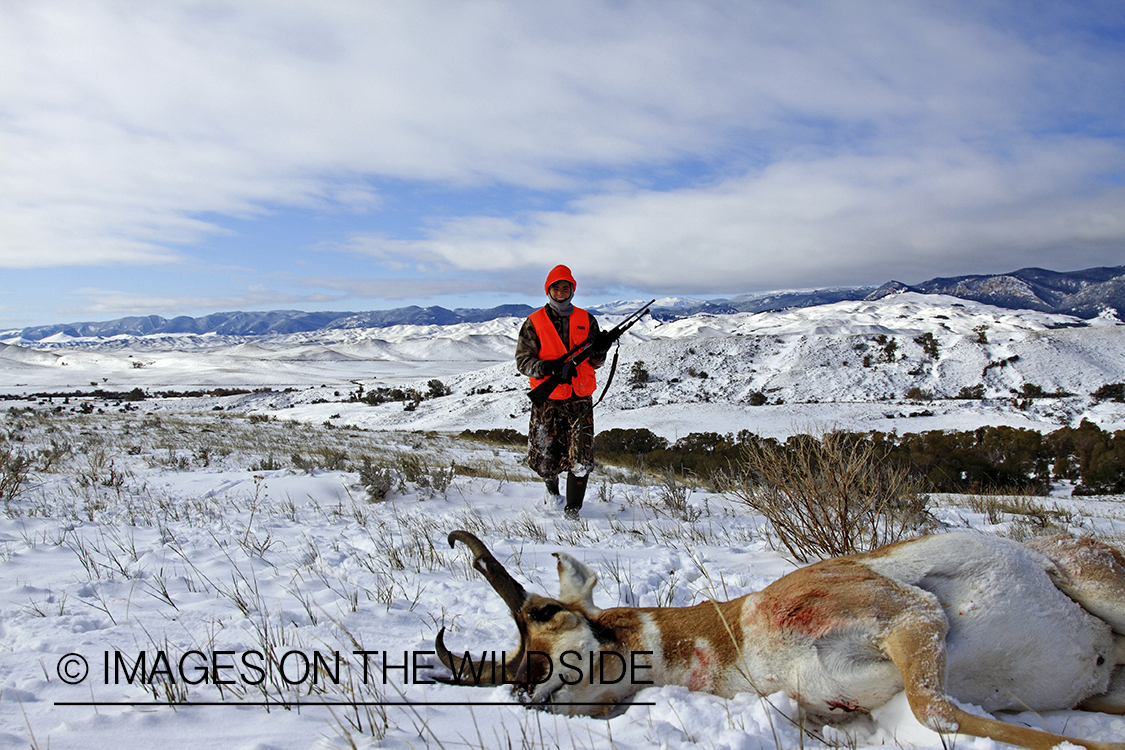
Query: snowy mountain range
x=1083 y=294
x=907 y=361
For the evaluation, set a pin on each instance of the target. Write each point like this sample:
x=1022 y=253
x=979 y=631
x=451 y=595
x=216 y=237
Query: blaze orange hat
x=559 y=273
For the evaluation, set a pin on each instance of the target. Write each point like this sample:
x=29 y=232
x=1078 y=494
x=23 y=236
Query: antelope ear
x=576 y=584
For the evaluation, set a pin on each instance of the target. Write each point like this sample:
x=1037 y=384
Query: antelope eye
x=545 y=613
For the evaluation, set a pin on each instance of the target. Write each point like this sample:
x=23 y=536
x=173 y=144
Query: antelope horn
x=481 y=675
x=507 y=587
x=454 y=664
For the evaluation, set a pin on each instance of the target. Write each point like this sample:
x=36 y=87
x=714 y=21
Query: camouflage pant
x=561 y=437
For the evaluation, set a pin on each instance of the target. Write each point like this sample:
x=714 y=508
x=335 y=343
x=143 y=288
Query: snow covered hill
x=907 y=362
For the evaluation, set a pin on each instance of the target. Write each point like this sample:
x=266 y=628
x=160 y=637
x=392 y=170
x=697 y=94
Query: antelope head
x=560 y=663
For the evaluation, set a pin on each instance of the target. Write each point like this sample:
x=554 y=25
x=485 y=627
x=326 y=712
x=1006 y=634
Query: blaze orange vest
x=551 y=347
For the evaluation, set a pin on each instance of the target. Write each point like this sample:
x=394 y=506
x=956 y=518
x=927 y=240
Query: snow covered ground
x=180 y=528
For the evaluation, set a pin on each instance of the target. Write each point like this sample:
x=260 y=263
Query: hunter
x=560 y=436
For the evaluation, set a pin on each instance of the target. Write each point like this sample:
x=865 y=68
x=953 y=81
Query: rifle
x=581 y=353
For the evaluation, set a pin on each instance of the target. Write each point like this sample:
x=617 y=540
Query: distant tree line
x=985 y=459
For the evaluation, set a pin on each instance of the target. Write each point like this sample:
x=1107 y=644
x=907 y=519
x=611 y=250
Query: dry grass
x=829 y=496
x=1027 y=515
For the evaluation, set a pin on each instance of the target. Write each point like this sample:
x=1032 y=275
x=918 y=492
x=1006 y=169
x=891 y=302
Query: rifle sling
x=609 y=380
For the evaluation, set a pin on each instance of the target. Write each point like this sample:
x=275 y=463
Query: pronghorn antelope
x=958 y=617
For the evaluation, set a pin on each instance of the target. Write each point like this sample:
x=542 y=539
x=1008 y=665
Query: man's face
x=560 y=291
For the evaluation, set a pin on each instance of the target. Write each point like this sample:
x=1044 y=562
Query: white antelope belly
x=1015 y=641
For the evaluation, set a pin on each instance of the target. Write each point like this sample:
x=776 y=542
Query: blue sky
x=182 y=158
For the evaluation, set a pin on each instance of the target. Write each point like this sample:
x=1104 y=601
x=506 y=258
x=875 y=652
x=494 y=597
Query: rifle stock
x=580 y=353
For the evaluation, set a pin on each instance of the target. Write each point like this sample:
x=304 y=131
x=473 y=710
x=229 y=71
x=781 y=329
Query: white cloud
x=111 y=303
x=833 y=135
x=410 y=288
x=815 y=223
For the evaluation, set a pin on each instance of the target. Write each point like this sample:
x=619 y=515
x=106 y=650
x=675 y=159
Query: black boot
x=575 y=492
x=552 y=496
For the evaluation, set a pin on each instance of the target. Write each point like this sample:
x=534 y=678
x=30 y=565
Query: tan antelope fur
x=960 y=618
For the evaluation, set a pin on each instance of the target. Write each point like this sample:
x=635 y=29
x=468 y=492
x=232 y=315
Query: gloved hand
x=560 y=367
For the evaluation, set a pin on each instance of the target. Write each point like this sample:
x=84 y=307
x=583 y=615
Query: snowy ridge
x=707 y=369
x=1086 y=294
